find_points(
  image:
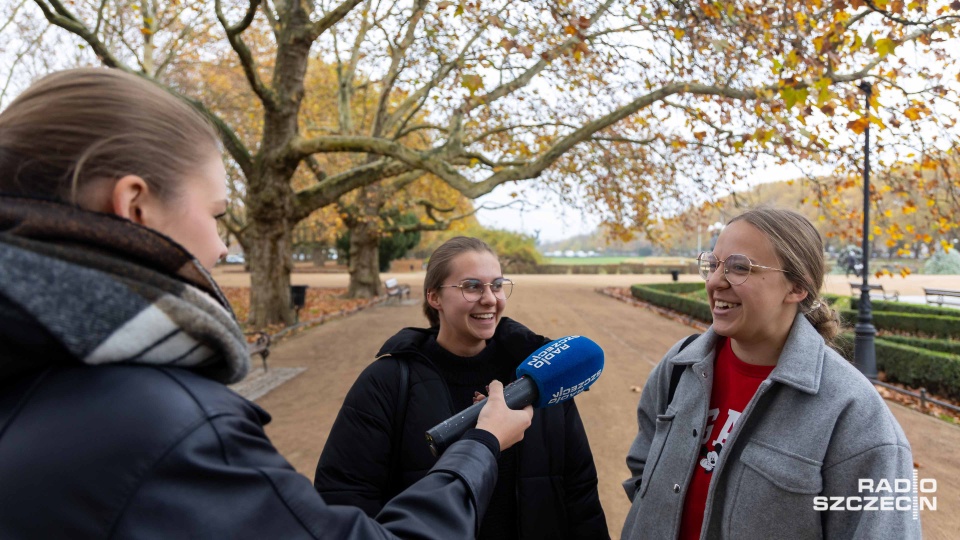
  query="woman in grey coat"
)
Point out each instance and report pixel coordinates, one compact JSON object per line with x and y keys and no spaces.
{"x":758,"y":428}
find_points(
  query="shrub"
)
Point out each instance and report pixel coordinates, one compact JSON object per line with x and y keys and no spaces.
{"x":658,"y":296}
{"x":836,"y":301}
{"x":910,"y":323}
{"x":936,"y":371}
{"x":685,"y":287}
{"x":900,"y":307}
{"x":939,"y":345}
{"x":942,"y":262}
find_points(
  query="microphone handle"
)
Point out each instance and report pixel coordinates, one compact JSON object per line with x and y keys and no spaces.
{"x":517,"y":394}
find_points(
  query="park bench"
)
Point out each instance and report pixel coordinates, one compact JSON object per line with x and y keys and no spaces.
{"x":939,"y":296}
{"x":261,"y":346}
{"x":855,"y":291}
{"x":396,"y":290}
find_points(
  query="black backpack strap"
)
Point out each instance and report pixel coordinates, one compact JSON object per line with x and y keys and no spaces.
{"x":678,"y":369}
{"x":396,"y":438}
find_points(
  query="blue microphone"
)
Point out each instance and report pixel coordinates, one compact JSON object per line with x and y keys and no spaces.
{"x":556,"y":372}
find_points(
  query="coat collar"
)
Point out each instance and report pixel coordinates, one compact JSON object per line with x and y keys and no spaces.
{"x":514,"y":339}
{"x":800,"y":364}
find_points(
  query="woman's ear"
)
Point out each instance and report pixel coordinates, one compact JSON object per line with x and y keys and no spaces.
{"x":128,"y":198}
{"x":434,"y":300}
{"x":796,"y":295}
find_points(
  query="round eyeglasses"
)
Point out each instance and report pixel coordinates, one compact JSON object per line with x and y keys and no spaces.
{"x":736,"y":267}
{"x":472,"y":289}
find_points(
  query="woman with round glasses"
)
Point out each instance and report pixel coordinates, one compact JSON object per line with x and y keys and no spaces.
{"x":547,"y":485}
{"x":755,"y":428}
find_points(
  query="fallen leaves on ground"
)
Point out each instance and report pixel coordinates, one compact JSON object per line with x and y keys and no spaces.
{"x":911,"y":402}
{"x":320,"y":301}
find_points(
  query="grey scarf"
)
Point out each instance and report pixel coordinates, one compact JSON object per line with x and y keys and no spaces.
{"x":110,"y":291}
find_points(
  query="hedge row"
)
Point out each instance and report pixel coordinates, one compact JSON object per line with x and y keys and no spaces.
{"x":940,"y":345}
{"x":655,"y":294}
{"x":933,"y":364}
{"x":936,"y":371}
{"x":685,"y":287}
{"x":911,"y":323}
{"x":902,"y":307}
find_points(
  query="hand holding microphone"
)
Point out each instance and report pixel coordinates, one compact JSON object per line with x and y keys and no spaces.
{"x":555,"y":372}
{"x":506,"y":424}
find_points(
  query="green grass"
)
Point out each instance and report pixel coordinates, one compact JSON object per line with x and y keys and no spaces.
{"x":591,"y":260}
{"x":617,"y":260}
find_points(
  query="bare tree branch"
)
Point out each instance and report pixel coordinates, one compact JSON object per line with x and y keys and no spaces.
{"x":332,"y":18}
{"x":334,"y":187}
{"x":267,"y":96}
{"x":58,"y":15}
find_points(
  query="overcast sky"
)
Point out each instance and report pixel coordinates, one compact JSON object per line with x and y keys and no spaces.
{"x":557,"y":222}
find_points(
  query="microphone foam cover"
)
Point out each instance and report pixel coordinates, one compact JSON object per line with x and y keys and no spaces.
{"x":563,"y":368}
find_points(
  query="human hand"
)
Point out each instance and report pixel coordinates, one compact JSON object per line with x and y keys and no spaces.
{"x":506,"y":424}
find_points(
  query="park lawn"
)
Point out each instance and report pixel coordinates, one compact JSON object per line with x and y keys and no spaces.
{"x":618,"y":260}
{"x":592,"y":260}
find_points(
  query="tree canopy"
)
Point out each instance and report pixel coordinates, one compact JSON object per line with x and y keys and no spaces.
{"x":633,"y":107}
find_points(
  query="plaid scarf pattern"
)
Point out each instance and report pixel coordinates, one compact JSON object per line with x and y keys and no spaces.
{"x":112,"y":292}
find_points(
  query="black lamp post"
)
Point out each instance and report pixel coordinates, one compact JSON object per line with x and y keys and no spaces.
{"x":864,"y":354}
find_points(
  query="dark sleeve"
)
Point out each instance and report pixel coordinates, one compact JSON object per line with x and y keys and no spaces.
{"x":354,"y":467}
{"x":224,"y":479}
{"x":584,"y":513}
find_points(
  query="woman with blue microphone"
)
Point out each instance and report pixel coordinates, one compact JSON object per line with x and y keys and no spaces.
{"x":547,"y":485}
{"x":749,"y":430}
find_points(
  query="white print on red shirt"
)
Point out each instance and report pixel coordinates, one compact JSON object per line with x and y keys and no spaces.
{"x":709,"y":462}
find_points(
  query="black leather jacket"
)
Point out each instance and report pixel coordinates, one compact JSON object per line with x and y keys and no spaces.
{"x":556,"y":491}
{"x":132,"y":450}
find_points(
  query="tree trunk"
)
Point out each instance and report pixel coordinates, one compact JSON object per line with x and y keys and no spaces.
{"x":270,"y":265}
{"x":270,"y":239}
{"x":364,"y":259}
{"x":319,"y":255}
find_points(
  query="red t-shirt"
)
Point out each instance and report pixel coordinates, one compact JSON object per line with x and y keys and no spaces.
{"x":734,"y":384}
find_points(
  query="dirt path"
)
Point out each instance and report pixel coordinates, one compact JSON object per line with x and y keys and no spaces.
{"x":633,"y":340}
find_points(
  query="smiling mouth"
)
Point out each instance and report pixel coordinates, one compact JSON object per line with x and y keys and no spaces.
{"x":723,"y":306}
{"x":482,"y":316}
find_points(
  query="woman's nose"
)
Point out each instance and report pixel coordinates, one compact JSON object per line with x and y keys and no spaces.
{"x":487,"y":298}
{"x":718,"y":278}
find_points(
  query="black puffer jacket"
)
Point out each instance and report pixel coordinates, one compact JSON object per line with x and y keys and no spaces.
{"x":102,"y":437}
{"x":557,"y":481}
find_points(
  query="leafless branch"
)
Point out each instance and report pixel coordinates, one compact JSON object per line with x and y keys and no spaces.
{"x":267,"y":96}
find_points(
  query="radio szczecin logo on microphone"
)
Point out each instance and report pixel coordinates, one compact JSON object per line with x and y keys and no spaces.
{"x":550,"y":353}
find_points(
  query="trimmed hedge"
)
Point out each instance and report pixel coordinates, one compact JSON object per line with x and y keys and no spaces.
{"x":832,"y":299}
{"x":910,"y":323}
{"x":936,"y":371}
{"x":938,"y":345}
{"x":685,"y":287}
{"x":902,"y":307}
{"x":655,"y":294}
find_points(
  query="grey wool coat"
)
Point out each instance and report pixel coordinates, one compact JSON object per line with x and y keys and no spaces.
{"x":814,"y":428}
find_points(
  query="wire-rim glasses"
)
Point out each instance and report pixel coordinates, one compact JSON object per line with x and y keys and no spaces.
{"x":472,"y":289}
{"x":736,"y":267}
